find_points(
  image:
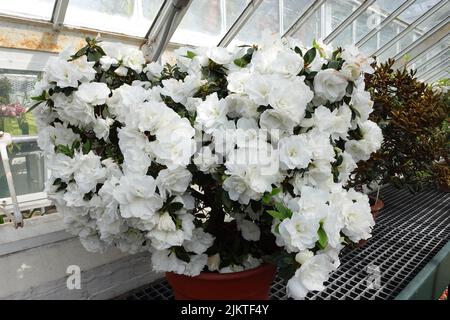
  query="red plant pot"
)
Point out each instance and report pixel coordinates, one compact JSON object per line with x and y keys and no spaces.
{"x":253,"y":284}
{"x":375,"y":207}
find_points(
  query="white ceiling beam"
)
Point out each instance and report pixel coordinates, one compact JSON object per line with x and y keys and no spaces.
{"x":431,"y":77}
{"x":163,"y":27}
{"x":59,"y":13}
{"x":418,"y":57}
{"x":429,"y":39}
{"x":385,"y":22}
{"x":348,"y":21}
{"x":303,"y":18}
{"x":411,"y":27}
{"x":240,"y":22}
{"x":434,"y":71}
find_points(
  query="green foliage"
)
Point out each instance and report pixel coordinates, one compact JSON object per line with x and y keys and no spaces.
{"x":412,"y":116}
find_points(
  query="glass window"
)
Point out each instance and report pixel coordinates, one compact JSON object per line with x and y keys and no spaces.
{"x":37,"y":9}
{"x":388,"y":32}
{"x":368,"y":20}
{"x":431,"y":53}
{"x":292,"y":10}
{"x":418,"y":32}
{"x":131,"y":17}
{"x":437,"y":62}
{"x":206,"y":22}
{"x":327,"y":18}
{"x":26,"y":159}
{"x":265,"y":18}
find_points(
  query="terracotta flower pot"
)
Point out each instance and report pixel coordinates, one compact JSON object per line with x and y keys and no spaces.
{"x":253,"y":284}
{"x":375,"y":206}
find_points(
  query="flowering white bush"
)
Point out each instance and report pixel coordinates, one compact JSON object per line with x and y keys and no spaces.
{"x":220,"y":162}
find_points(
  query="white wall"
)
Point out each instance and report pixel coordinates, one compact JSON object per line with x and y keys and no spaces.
{"x":34,"y":261}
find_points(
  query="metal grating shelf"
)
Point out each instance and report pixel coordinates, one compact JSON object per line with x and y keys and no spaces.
{"x":409,"y":232}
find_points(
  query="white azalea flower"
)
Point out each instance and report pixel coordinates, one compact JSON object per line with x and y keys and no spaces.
{"x":330,"y":85}
{"x":94,"y":93}
{"x":137,"y":197}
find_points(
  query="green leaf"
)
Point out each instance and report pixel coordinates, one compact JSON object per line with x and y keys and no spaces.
{"x":241,"y":62}
{"x":190,"y":54}
{"x":87,"y":147}
{"x":299,"y":51}
{"x":283,"y":210}
{"x":276,"y":214}
{"x":1,"y":220}
{"x":174,"y":207}
{"x":34,"y":106}
{"x":323,"y":239}
{"x":64,"y":150}
{"x":309,"y":56}
{"x":334,"y":64}
{"x":275,"y":191}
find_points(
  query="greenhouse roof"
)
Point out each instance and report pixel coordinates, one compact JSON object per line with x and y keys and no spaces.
{"x":415,"y":32}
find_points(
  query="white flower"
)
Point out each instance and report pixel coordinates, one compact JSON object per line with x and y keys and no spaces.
{"x":173,"y":181}
{"x":89,"y":171}
{"x":236,"y":80}
{"x":358,"y":220}
{"x":63,"y":73}
{"x":330,"y":85}
{"x":137,"y":197}
{"x":219,"y":55}
{"x":85,"y":68}
{"x":290,"y":98}
{"x":153,"y":70}
{"x":310,"y":276}
{"x":94,"y":93}
{"x":276,"y":124}
{"x":52,"y":136}
{"x":346,"y":167}
{"x":300,"y":231}
{"x":61,"y":166}
{"x":295,"y":152}
{"x":336,"y":123}
{"x":121,"y":71}
{"x":212,"y":113}
{"x":101,"y":128}
{"x":238,"y":190}
{"x":107,"y":62}
{"x":361,"y":101}
{"x":73,"y":110}
{"x":205,"y":160}
{"x":370,"y":142}
{"x":200,"y":241}
{"x":134,"y":59}
{"x":303,"y":256}
{"x":258,"y":87}
{"x":249,"y":230}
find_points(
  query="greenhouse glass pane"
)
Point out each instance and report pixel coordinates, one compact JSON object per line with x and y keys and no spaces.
{"x":26,"y":159}
{"x":130,"y":17}
{"x":327,"y":18}
{"x":431,"y":53}
{"x":292,"y":10}
{"x":388,"y":32}
{"x":369,"y":19}
{"x":37,"y":9}
{"x":437,"y":62}
{"x":206,"y":22}
{"x":265,"y":18}
{"x":415,"y":34}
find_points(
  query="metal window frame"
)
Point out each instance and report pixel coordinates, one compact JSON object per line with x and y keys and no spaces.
{"x":385,"y":22}
{"x":429,"y":74}
{"x":349,"y":20}
{"x":429,"y":39}
{"x":433,"y":65}
{"x":411,"y":27}
{"x":433,"y":59}
{"x":59,"y":13}
{"x":303,"y":18}
{"x":413,"y":60}
{"x":163,"y":27}
{"x":245,"y":15}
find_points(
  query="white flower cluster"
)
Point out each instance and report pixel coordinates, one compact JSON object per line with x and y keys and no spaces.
{"x":123,"y":157}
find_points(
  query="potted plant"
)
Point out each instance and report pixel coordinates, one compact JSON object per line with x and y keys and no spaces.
{"x":223,"y":165}
{"x":413,"y":117}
